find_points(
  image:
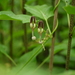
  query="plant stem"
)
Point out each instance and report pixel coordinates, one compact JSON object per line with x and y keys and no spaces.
{"x":11,"y":32}
{"x":68,"y":20}
{"x":68,"y":17}
{"x":70,"y":37}
{"x":48,"y":27}
{"x":53,"y":38}
{"x":24,"y":28}
{"x":2,"y":37}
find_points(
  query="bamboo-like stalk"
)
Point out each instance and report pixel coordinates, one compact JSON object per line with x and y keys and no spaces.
{"x":24,"y":28}
{"x":70,"y":37}
{"x":53,"y":38}
{"x":11,"y":32}
{"x":1,"y":31}
{"x":2,"y":37}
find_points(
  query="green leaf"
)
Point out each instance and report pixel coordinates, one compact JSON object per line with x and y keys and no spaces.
{"x":70,"y":72}
{"x":30,"y":56}
{"x":3,"y":50}
{"x":58,"y":48}
{"x":70,"y":9}
{"x":8,"y":15}
{"x":43,"y":11}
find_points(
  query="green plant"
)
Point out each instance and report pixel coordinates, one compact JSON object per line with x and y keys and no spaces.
{"x":41,"y":52}
{"x":71,"y":26}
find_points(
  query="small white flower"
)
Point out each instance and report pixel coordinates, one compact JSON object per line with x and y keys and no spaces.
{"x":33,"y":38}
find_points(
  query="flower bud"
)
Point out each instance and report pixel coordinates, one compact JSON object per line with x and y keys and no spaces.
{"x":40,"y":27}
{"x":32,"y":19}
{"x":32,"y":22}
{"x":41,"y":24}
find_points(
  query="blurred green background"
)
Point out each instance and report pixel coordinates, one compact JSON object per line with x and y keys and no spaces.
{"x":30,"y":57}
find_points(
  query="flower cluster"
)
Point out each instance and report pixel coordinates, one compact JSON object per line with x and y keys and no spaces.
{"x":40,"y":29}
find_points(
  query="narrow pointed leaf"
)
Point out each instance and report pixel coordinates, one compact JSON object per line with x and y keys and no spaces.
{"x":3,"y":51}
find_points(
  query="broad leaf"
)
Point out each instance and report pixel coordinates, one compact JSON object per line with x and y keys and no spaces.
{"x":43,"y":11}
{"x":8,"y":15}
{"x":70,"y":9}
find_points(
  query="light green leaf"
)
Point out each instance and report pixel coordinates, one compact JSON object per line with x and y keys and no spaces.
{"x":3,"y":51}
{"x":43,"y":11}
{"x":70,"y":9}
{"x":30,"y":56}
{"x":8,"y":15}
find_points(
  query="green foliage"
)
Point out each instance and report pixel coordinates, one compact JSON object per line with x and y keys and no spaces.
{"x":3,"y":51}
{"x":8,"y":15}
{"x":31,"y":63}
{"x":70,"y":9}
{"x":43,"y":11}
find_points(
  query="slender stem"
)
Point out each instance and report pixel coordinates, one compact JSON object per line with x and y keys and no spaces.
{"x":70,"y":37}
{"x":32,"y":33}
{"x":55,"y":27}
{"x":11,"y":39}
{"x":53,"y":38}
{"x":68,"y":17}
{"x":24,"y":28}
{"x":68,"y":20}
{"x":46,"y":23}
{"x":2,"y":37}
{"x":48,"y":27}
{"x":11,"y":32}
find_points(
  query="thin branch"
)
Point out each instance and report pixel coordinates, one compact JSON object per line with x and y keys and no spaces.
{"x":53,"y":38}
{"x":2,"y":38}
{"x":70,"y":37}
{"x":11,"y":31}
{"x":24,"y":28}
{"x":1,"y":31}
